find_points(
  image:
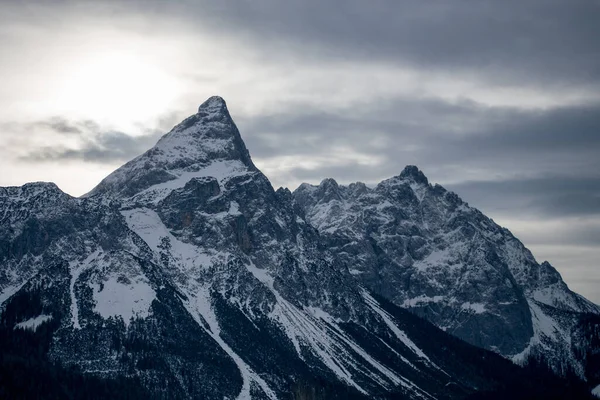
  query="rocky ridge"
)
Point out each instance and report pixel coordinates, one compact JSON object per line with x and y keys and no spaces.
{"x":423,"y":248}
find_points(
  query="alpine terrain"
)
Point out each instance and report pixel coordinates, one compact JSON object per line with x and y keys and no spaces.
{"x":424,"y":249}
{"x":185,"y":275}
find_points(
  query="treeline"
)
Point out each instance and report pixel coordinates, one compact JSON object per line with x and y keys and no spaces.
{"x":27,"y":373}
{"x":537,"y":381}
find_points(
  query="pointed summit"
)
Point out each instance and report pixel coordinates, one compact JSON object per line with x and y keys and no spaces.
{"x":329,"y":189}
{"x":414,"y":173}
{"x":410,"y":175}
{"x":214,"y":109}
{"x":213,"y":105}
{"x":206,"y":141}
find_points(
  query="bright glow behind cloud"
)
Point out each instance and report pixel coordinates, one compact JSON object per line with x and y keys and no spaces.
{"x":116,"y":86}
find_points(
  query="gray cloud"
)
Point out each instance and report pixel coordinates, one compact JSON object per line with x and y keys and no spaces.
{"x":552,"y":42}
{"x":567,"y":128}
{"x":552,"y":196}
{"x":57,"y":124}
{"x":99,"y":145}
{"x":108,"y":147}
{"x":437,"y":136}
{"x":61,"y":125}
{"x":574,"y":234}
{"x":524,"y":42}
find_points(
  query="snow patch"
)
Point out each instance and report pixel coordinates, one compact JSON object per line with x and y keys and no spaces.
{"x":441,"y":258}
{"x":542,"y":323}
{"x":596,"y":391}
{"x":419,"y":190}
{"x":557,"y":295}
{"x":280,"y":222}
{"x":234,"y":208}
{"x":117,"y":297}
{"x":417,"y":301}
{"x":148,"y":225}
{"x":33,"y":323}
{"x":222,"y":170}
{"x":477,"y":308}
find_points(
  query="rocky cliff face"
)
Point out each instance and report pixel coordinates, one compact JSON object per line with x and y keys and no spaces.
{"x":186,"y":271}
{"x":427,"y":251}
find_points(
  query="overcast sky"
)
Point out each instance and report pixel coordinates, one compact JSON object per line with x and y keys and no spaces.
{"x":498,"y":101}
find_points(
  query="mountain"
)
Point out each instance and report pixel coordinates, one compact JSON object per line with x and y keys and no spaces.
{"x":185,"y":275}
{"x":424,"y":249}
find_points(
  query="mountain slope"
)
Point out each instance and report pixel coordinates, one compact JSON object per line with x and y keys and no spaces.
{"x":186,"y":272}
{"x":426,"y":250}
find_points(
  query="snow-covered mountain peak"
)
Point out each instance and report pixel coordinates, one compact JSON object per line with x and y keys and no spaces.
{"x":412,"y":172}
{"x":330,"y":190}
{"x":214,"y":105}
{"x":207,"y":143}
{"x":410,"y":184}
{"x":329,"y":182}
{"x":456,"y":267}
{"x":208,"y":135}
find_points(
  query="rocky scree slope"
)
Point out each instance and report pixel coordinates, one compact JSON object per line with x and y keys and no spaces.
{"x":186,"y":273}
{"x":423,"y":248}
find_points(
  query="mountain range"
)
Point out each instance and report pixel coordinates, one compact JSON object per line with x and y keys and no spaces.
{"x":185,"y":275}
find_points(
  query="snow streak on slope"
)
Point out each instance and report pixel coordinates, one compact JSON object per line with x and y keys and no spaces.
{"x":148,"y":225}
{"x":7,"y":292}
{"x":544,"y":327}
{"x":388,"y":321}
{"x":199,"y":306}
{"x":221,"y":170}
{"x":300,"y":328}
{"x":77,"y":268}
{"x":33,"y":323}
{"x":550,"y":336}
{"x":319,"y":331}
